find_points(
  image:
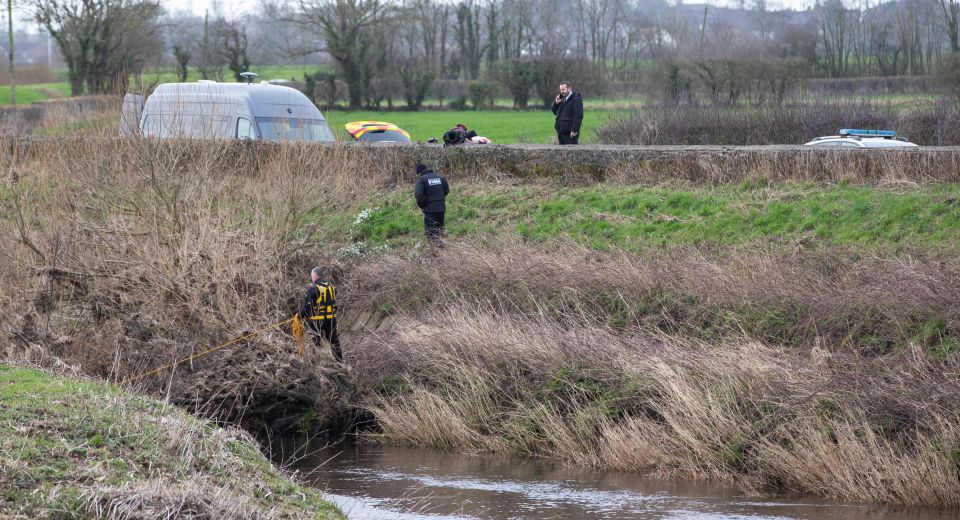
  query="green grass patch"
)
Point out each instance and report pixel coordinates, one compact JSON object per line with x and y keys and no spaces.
{"x":502,"y":127}
{"x":637,"y":218}
{"x":27,"y":94}
{"x":856,"y":220}
{"x":66,"y":445}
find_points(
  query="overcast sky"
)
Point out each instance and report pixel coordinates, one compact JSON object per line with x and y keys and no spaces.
{"x":239,"y":6}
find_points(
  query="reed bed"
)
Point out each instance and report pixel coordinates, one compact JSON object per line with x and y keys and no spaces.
{"x":827,"y":372}
{"x":794,"y":298}
{"x":662,"y":364}
{"x":122,"y":256}
{"x":831,"y":423}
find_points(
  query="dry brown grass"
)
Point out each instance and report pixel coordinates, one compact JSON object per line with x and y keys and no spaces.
{"x":511,"y":350}
{"x":85,"y":115}
{"x":803,"y":297}
{"x":119,"y":256}
{"x":837,"y":425}
{"x":29,"y":74}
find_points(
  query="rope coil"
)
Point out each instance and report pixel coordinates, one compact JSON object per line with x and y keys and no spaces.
{"x":298,"y":331}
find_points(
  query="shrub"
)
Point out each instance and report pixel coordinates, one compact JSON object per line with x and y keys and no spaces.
{"x":416,"y":80}
{"x":948,"y":76}
{"x":519,"y":76}
{"x":587,"y":78}
{"x":483,"y":94}
{"x":727,"y":81}
{"x":936,"y":124}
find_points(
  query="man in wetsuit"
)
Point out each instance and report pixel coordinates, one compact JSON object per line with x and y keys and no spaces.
{"x":319,"y":311}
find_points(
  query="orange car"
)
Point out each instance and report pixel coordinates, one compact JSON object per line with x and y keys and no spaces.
{"x":377,"y":132}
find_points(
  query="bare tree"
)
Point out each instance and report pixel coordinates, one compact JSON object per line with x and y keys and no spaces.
{"x":834,"y":23}
{"x":182,"y":56}
{"x":101,"y":41}
{"x":184,"y":32}
{"x":346,"y":30}
{"x":469,"y":37}
{"x":882,"y":43}
{"x":232,"y":43}
{"x":951,"y":19}
{"x":597,"y":20}
{"x":908,"y":32}
{"x":551,"y":34}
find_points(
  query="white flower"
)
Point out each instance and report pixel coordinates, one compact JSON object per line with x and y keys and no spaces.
{"x":363,"y":216}
{"x":353,"y":251}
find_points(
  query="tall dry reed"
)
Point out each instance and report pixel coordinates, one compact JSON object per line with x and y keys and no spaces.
{"x":119,"y":256}
{"x":834,"y":424}
{"x":512,"y":350}
{"x":872,"y":303}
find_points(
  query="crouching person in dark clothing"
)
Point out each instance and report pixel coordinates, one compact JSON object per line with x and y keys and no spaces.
{"x":319,"y":311}
{"x":431,"y":193}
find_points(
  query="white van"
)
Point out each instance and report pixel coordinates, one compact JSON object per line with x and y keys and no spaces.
{"x":212,"y":110}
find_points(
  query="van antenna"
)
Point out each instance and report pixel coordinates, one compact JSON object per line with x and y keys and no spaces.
{"x":249,"y":77}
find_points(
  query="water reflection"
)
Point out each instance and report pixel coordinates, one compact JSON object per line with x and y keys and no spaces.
{"x":375,"y":482}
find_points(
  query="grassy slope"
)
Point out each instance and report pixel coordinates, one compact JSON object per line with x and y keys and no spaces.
{"x":76,"y":449}
{"x":637,"y":218}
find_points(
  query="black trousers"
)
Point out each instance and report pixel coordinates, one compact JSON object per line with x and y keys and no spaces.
{"x":327,"y":330}
{"x":433,"y":225}
{"x":566,"y":139}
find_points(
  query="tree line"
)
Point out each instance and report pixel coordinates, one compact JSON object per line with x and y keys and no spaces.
{"x":378,"y":49}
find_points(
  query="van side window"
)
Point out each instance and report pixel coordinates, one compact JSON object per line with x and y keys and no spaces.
{"x":244,"y":129}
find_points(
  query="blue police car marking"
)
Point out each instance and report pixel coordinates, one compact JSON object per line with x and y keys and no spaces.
{"x":867,"y":133}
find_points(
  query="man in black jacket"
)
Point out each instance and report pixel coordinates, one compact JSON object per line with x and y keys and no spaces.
{"x":568,"y":107}
{"x":431,"y":193}
{"x":319,"y":311}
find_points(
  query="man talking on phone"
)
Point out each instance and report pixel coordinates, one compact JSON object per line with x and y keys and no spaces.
{"x":568,"y":107}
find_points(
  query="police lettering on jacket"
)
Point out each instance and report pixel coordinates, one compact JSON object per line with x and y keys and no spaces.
{"x":431,"y":191}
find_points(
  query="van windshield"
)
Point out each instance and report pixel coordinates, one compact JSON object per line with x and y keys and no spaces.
{"x":293,"y":128}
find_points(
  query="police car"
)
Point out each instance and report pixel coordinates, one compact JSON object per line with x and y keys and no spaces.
{"x":377,"y":132}
{"x":853,"y":138}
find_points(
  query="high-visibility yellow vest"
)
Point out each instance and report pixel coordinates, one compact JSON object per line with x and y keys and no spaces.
{"x":325,"y":308}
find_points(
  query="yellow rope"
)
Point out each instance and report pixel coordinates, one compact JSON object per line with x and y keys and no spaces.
{"x":298,"y":331}
{"x":214,"y":349}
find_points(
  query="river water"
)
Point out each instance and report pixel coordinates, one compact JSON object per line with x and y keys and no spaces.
{"x":386,"y":483}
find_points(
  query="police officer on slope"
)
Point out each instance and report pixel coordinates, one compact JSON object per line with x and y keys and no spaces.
{"x":431,"y":192}
{"x":319,"y":310}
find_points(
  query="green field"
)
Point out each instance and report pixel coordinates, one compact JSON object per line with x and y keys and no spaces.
{"x":27,"y":94}
{"x":503,"y":127}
